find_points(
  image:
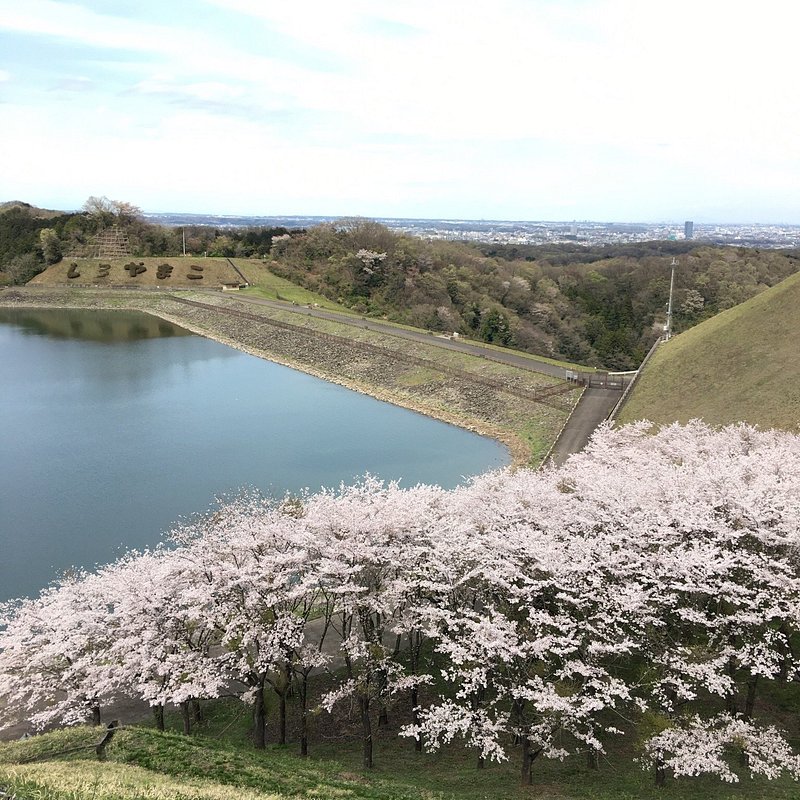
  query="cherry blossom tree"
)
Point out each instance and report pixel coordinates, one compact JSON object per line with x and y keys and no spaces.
{"x":713,"y":514}
{"x":529,"y":634}
{"x":676,"y":549}
{"x":247,"y":561}
{"x":656,"y":571}
{"x":51,"y":651}
{"x":708,"y":746}
{"x":372,"y":540}
{"x":161,"y":650}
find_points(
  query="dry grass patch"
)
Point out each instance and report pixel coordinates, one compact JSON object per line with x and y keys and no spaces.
{"x":85,"y":780}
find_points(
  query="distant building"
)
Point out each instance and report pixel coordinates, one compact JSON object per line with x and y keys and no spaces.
{"x":688,"y":229}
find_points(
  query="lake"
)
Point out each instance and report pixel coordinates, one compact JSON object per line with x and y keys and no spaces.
{"x":118,"y":424}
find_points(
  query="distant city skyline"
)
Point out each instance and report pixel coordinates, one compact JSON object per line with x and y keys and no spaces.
{"x":528,"y":232}
{"x":605,"y":110}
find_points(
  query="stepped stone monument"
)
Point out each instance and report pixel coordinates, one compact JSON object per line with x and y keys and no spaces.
{"x":112,"y":243}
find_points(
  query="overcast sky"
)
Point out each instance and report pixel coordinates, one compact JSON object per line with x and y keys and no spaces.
{"x":616,"y":110}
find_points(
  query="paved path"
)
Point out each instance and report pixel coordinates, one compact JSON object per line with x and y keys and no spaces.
{"x":594,"y":406}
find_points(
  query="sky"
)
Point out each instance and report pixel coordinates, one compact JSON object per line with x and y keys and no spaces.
{"x":608,"y":110}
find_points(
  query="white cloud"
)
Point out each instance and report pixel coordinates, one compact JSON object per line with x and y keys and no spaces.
{"x":514,"y":104}
{"x":76,"y":23}
{"x":208,"y":90}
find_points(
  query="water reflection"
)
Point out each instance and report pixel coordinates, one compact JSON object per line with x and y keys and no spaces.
{"x":129,"y":352}
{"x":106,"y":327}
{"x":110,"y":439}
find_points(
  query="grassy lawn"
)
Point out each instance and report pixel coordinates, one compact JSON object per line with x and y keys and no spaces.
{"x":740,"y":365}
{"x":218,"y":763}
{"x":269,"y":286}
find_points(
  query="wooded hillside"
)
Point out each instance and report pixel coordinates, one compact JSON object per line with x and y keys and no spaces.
{"x":599,"y":306}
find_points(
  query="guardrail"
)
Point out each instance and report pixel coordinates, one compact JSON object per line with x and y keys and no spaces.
{"x":600,"y":380}
{"x":614,"y":411}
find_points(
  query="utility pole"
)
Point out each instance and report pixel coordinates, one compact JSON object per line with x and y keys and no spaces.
{"x":668,"y":327}
{"x":183,"y":233}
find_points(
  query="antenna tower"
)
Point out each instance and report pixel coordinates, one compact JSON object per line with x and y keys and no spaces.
{"x":668,"y":328}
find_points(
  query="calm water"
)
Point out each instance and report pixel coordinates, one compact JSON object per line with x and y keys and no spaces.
{"x":117,"y":424}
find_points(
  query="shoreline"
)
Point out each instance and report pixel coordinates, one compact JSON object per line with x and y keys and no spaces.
{"x":507,"y":441}
{"x":211,"y":324}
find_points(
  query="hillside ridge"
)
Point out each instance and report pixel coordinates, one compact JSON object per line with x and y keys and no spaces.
{"x":738,"y":366}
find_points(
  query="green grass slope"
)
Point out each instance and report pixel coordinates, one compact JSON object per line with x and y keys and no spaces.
{"x":741,"y":365}
{"x":143,"y":764}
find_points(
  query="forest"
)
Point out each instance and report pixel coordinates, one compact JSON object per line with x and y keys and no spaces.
{"x":598,"y":306}
{"x":648,"y":590}
{"x":601,"y":306}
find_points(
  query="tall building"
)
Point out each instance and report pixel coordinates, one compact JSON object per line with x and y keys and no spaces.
{"x":688,"y":229}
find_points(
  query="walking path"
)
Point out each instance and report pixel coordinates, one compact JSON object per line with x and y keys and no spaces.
{"x":594,"y":406}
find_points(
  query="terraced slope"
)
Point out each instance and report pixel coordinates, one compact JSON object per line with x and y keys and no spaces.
{"x":741,"y":365}
{"x":136,"y":272}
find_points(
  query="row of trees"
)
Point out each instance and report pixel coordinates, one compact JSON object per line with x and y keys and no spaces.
{"x":649,"y":589}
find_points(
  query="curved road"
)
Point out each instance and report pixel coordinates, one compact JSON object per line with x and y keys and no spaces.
{"x":513,"y":359}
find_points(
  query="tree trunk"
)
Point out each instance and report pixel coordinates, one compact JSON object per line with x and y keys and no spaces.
{"x":593,"y":759}
{"x":282,"y":721}
{"x":304,"y":715}
{"x":661,"y":773}
{"x":731,"y":704}
{"x":366,"y":728}
{"x":475,"y":703}
{"x":197,"y":712}
{"x":383,"y":717}
{"x":414,"y":652}
{"x":158,"y":713}
{"x":415,"y":716}
{"x":187,"y":718}
{"x":282,"y":686}
{"x":528,"y":757}
{"x":527,"y":762}
{"x":259,"y":720}
{"x":96,"y":714}
{"x":750,"y":702}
